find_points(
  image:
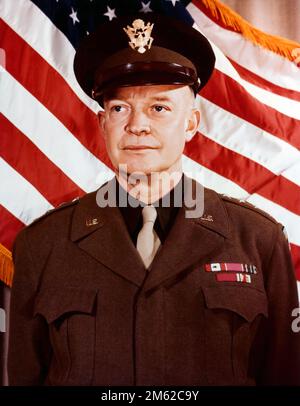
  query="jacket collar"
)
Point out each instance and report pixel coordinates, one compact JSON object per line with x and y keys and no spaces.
{"x":102,"y":233}
{"x":166,"y":212}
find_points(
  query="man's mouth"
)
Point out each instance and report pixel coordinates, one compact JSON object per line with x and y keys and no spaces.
{"x":135,"y":147}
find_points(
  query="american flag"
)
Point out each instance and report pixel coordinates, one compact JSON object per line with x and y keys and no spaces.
{"x":51,"y":150}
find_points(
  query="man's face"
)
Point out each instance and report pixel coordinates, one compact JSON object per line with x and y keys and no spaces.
{"x":145,"y":127}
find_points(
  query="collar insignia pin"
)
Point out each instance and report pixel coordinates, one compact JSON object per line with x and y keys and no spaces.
{"x":91,"y":222}
{"x":207,"y":217}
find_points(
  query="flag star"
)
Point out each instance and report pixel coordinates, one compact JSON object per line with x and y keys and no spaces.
{"x":174,"y":2}
{"x":146,"y":7}
{"x":110,"y":13}
{"x":74,"y":17}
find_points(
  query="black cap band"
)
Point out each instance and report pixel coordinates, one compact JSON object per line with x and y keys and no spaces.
{"x":143,"y":73}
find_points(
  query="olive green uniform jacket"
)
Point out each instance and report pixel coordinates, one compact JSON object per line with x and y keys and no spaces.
{"x":85,"y":311}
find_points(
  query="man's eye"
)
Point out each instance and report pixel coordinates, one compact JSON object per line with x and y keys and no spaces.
{"x":159,"y":108}
{"x":117,"y":108}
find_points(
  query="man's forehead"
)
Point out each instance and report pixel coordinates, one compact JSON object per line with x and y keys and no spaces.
{"x":157,"y":92}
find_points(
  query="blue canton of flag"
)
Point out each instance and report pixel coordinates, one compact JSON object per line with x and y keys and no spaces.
{"x":78,"y":18}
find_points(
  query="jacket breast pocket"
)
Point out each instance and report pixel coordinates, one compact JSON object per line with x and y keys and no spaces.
{"x":71,"y":315}
{"x":231,"y":318}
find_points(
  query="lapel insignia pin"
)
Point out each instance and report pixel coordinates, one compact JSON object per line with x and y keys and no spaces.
{"x":139,"y":35}
{"x":207,"y":217}
{"x":91,"y":222}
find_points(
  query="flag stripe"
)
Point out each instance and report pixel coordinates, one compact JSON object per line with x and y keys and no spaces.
{"x":59,"y":52}
{"x":277,"y":124}
{"x":250,"y":141}
{"x":286,"y":106}
{"x":275,"y":188}
{"x":223,"y":185}
{"x":28,"y":203}
{"x":44,"y":137}
{"x":259,"y":60}
{"x":9,"y":227}
{"x":211,"y":179}
{"x":50,"y":88}
{"x":295,"y":251}
{"x":13,"y":143}
{"x":251,"y":77}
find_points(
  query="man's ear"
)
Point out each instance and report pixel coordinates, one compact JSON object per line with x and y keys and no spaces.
{"x":192,"y":124}
{"x":101,"y":118}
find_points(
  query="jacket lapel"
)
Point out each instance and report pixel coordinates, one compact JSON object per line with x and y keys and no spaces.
{"x":102,"y":233}
{"x":191,"y":240}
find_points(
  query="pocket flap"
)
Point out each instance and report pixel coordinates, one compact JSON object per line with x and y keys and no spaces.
{"x":54,"y":302}
{"x":247,"y":302}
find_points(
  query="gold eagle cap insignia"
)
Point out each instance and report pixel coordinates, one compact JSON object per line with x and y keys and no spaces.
{"x":139,"y":35}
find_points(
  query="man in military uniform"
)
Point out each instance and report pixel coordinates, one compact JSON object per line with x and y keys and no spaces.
{"x":142,"y":294}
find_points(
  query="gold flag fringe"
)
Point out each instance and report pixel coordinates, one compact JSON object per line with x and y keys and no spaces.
{"x":6,"y":266}
{"x":231,"y":19}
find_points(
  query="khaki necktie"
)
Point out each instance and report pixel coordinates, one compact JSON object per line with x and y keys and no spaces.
{"x":147,"y":240}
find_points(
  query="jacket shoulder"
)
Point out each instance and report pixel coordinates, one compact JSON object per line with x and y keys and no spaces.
{"x":48,"y":213}
{"x":243,"y":205}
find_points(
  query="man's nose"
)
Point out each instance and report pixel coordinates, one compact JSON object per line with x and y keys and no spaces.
{"x":138,"y":123}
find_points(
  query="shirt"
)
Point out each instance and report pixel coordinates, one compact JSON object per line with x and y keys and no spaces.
{"x":165,"y":215}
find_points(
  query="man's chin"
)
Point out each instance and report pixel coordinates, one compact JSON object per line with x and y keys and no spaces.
{"x":138,"y":169}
